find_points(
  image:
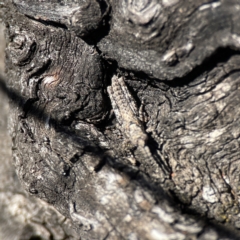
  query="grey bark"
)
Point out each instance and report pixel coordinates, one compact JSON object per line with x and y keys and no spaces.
{"x":181,"y":60}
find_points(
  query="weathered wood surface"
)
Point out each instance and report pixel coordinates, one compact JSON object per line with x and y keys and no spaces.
{"x":21,"y":215}
{"x":180,"y":59}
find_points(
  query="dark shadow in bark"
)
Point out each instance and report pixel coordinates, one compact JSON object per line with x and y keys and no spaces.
{"x":221,"y":55}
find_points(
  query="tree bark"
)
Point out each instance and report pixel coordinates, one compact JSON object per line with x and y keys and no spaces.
{"x":124,"y":114}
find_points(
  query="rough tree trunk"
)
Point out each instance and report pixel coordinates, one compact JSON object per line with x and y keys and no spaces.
{"x":124,"y":114}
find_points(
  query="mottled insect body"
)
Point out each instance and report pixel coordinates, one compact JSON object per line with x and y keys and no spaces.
{"x":126,"y":112}
{"x":125,"y":109}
